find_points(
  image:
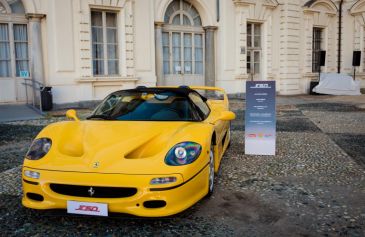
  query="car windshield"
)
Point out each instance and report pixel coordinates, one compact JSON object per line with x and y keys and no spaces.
{"x":146,"y":106}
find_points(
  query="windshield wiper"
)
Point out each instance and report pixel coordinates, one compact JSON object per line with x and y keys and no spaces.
{"x":99,"y":116}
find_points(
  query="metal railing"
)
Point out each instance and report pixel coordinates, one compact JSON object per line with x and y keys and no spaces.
{"x":33,"y":90}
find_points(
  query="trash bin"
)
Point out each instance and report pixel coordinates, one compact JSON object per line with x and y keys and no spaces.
{"x":312,"y":85}
{"x":46,"y":98}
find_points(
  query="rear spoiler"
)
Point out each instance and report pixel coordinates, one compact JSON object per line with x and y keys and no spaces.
{"x":208,"y":88}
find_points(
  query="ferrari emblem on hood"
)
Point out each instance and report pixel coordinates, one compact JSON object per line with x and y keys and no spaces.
{"x":96,"y":164}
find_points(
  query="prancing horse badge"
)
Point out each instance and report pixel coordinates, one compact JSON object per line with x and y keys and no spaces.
{"x":96,"y":164}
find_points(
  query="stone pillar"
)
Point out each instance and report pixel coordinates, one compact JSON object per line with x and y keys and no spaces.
{"x":36,"y":52}
{"x":159,"y":54}
{"x":290,"y":73}
{"x":210,"y":55}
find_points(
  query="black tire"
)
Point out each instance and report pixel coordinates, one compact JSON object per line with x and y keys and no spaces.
{"x":229,"y":134}
{"x":211,"y":171}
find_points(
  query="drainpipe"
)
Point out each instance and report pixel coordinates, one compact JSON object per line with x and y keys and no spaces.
{"x":339,"y":38}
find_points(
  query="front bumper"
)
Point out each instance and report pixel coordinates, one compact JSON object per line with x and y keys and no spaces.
{"x":178,"y":196}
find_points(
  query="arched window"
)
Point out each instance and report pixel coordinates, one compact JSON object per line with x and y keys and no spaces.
{"x":2,"y":9}
{"x":11,"y":6}
{"x":183,"y":40}
{"x":182,"y":13}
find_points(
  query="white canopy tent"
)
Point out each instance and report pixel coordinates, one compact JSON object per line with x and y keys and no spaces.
{"x":337,"y":84}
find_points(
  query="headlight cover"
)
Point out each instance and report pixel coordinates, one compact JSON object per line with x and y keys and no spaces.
{"x":183,"y":153}
{"x":39,"y":148}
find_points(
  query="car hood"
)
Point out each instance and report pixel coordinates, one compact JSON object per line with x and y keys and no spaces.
{"x":131,"y":147}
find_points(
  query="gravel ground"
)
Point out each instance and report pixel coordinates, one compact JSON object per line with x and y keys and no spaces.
{"x":14,"y":142}
{"x":338,"y":122}
{"x":353,"y":144}
{"x":314,"y":186}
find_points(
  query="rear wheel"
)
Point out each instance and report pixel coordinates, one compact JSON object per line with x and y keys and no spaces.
{"x":211,"y":171}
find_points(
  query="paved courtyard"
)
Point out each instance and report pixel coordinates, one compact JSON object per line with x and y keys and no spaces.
{"x":17,"y":112}
{"x":314,"y":186}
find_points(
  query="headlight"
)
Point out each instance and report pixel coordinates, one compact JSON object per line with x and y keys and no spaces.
{"x":163,"y":180}
{"x":39,"y":148}
{"x":183,"y":154}
{"x":32,"y":174}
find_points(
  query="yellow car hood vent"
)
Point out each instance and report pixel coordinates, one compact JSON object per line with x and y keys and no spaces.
{"x":71,"y":141}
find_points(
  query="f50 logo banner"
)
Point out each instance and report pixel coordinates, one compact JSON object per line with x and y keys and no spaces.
{"x":260,"y":118}
{"x":87,"y":208}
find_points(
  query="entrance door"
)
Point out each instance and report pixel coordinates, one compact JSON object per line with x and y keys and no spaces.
{"x":183,"y":45}
{"x":254,"y":51}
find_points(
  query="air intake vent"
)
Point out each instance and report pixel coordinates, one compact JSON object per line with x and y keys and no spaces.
{"x":154,"y":204}
{"x":93,"y":191}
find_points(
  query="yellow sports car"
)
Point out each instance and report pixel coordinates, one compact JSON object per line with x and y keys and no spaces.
{"x":144,"y":151}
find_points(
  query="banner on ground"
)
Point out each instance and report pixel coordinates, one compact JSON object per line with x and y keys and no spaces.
{"x":260,"y":118}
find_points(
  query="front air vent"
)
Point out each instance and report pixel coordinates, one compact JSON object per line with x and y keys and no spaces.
{"x":154,"y":204}
{"x":35,"y":197}
{"x":93,"y":191}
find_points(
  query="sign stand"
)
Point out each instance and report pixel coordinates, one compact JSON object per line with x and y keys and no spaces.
{"x":260,"y":118}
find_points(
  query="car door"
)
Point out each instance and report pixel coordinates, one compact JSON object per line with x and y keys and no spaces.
{"x":220,"y":127}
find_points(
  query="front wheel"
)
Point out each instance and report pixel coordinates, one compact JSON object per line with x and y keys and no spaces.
{"x":229,"y":135}
{"x":211,"y":171}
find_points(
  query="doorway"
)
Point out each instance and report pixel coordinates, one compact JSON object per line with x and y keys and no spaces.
{"x":183,"y":45}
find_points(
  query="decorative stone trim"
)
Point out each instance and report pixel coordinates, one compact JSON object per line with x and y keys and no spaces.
{"x":107,"y":79}
{"x":326,"y":19}
{"x":5,"y":4}
{"x":34,"y":16}
{"x":310,"y":74}
{"x":242,"y":77}
{"x":159,"y":24}
{"x":358,"y":8}
{"x":126,"y":30}
{"x":253,"y":11}
{"x":129,"y":38}
{"x":266,"y":3}
{"x":210,"y":28}
{"x":328,"y":4}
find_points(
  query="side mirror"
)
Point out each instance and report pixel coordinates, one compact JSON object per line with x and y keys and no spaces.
{"x":71,"y":114}
{"x":226,"y":116}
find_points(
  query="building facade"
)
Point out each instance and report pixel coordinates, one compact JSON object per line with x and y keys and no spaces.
{"x":86,"y":49}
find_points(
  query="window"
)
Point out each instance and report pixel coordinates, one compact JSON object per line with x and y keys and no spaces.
{"x":4,"y":51}
{"x":182,"y":40}
{"x":104,"y":43}
{"x":2,"y":9}
{"x":21,"y":48}
{"x":12,"y":6}
{"x":198,"y":101}
{"x":253,"y":35}
{"x":198,"y":40}
{"x":176,"y":52}
{"x":20,"y":45}
{"x":166,"y":52}
{"x":180,"y":12}
{"x":146,"y":106}
{"x":316,"y":48}
{"x":253,"y":48}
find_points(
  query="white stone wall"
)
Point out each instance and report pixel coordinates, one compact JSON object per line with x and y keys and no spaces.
{"x":324,"y":16}
{"x":287,"y":27}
